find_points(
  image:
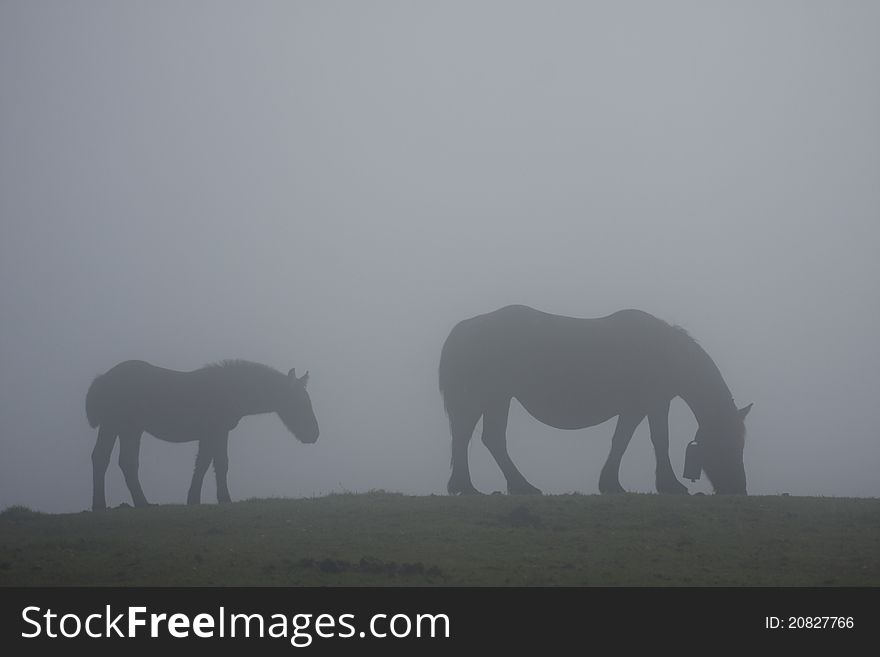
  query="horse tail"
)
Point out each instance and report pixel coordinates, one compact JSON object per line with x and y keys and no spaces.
{"x":96,"y":401}
{"x":446,"y":374}
{"x":454,"y":372}
{"x":445,"y":379}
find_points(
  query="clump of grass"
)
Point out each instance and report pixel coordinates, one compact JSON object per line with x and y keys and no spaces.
{"x":18,"y":512}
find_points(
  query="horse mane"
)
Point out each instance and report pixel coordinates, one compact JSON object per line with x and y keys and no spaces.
{"x":687,"y":339}
{"x":683,"y":333}
{"x":238,"y":363}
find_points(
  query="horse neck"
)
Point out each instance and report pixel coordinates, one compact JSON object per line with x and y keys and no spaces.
{"x":703,"y":388}
{"x":256,"y":391}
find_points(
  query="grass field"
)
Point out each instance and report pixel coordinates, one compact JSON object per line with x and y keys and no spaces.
{"x":395,"y":540}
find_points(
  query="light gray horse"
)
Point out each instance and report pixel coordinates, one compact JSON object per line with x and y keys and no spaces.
{"x":572,"y":373}
{"x":204,"y":405}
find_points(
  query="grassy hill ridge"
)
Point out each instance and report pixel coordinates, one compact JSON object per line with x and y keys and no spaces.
{"x":386,"y":539}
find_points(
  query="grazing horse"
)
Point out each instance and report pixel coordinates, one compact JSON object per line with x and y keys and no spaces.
{"x":203,"y":405}
{"x":572,"y":373}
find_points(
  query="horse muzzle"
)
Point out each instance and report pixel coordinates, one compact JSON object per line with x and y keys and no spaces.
{"x":310,"y":438}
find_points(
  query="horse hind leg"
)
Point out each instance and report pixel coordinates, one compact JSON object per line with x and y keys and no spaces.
{"x":100,"y":460}
{"x":495,"y":439}
{"x":221,"y":467}
{"x":462,"y":421}
{"x":609,"y":480}
{"x":203,"y":460}
{"x":129,"y":463}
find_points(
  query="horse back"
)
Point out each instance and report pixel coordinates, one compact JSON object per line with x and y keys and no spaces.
{"x":172,"y":405}
{"x":515,"y":349}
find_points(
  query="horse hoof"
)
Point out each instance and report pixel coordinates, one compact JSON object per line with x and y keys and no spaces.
{"x":673,"y":489}
{"x":456,"y":488}
{"x":611,"y":489}
{"x":523,"y":489}
{"x":466,"y":491}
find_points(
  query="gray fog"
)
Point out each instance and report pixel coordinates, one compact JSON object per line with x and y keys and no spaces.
{"x":332,"y":186}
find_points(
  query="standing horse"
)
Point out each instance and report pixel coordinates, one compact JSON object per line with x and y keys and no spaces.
{"x":572,"y":373}
{"x":204,"y":405}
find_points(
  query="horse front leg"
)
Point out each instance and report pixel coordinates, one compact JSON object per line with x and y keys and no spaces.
{"x":203,"y":460}
{"x":609,"y":480}
{"x":221,"y":467}
{"x":129,"y":462}
{"x":495,"y":439}
{"x":667,"y":482}
{"x":100,"y":461}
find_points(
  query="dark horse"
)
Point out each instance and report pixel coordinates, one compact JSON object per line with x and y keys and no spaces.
{"x":573,"y":373}
{"x":204,"y":405}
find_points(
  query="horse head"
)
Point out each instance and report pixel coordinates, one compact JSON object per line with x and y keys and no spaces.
{"x":721,"y":442}
{"x":296,"y":410}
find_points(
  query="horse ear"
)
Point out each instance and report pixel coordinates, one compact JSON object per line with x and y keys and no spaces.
{"x":292,"y":373}
{"x":744,"y":411}
{"x":304,"y":379}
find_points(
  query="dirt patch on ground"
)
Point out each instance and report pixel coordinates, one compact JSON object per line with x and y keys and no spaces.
{"x":373,"y":566}
{"x":521,"y":516}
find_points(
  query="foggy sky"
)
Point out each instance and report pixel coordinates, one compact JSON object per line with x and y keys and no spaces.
{"x":331,"y":186}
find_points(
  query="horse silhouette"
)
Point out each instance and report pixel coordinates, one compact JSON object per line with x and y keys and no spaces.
{"x":203,"y":405}
{"x":572,"y":373}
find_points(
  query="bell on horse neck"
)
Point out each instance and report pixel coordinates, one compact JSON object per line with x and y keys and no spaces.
{"x":692,"y":466}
